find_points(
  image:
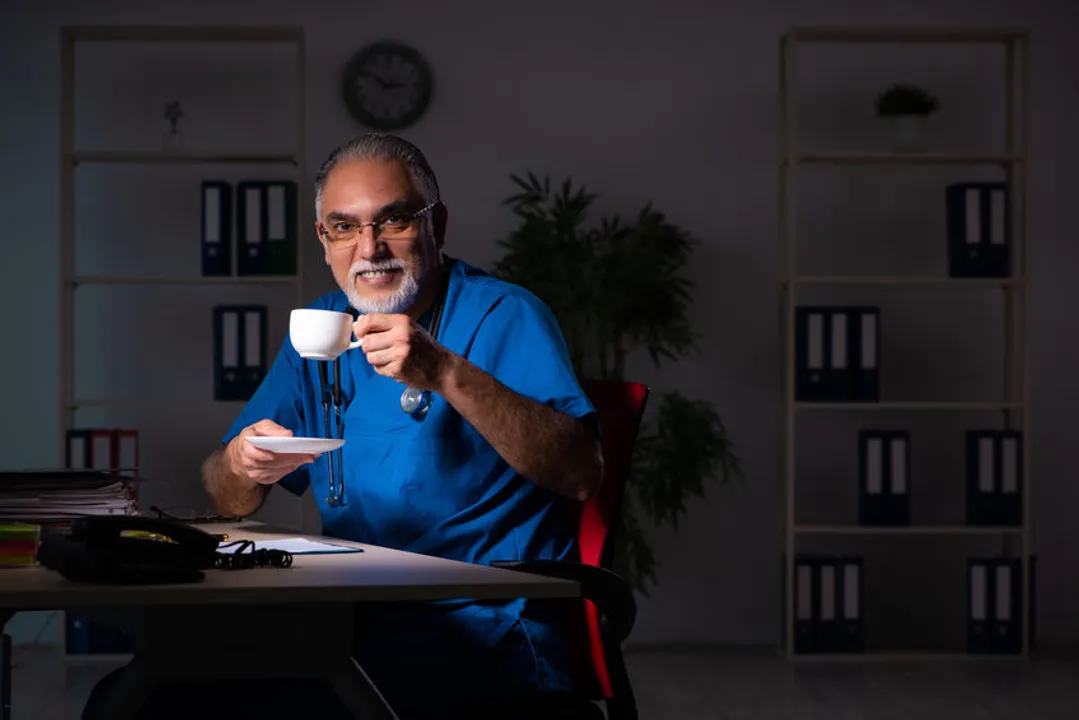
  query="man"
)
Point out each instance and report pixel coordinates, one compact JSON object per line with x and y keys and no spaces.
{"x":492,"y":465}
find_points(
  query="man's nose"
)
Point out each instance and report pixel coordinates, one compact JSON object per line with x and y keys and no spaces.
{"x":367,"y":244}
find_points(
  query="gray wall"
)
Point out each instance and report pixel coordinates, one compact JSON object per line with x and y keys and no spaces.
{"x":677,"y":105}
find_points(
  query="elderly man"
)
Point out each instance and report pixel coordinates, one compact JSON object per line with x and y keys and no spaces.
{"x":468,"y":436}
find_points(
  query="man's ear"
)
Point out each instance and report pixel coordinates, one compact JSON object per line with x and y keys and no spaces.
{"x":440,"y":218}
{"x":322,"y":242}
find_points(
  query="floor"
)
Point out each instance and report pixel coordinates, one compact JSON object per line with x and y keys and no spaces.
{"x":723,"y":684}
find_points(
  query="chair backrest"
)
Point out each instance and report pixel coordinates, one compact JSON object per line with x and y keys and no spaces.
{"x":620,"y":406}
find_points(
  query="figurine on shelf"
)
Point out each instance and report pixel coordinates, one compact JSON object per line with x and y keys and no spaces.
{"x":171,"y":137}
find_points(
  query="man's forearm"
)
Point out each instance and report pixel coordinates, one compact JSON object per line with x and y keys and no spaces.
{"x":233,"y":495}
{"x":548,"y":447}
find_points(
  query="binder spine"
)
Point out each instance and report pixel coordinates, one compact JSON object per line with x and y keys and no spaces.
{"x":216,"y":228}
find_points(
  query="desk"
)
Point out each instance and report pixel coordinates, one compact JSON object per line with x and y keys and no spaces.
{"x":218,"y":626}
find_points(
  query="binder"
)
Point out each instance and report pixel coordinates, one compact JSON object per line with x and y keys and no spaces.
{"x":806,"y":601}
{"x":994,"y":477}
{"x":216,"y":227}
{"x":979,"y":601}
{"x":91,"y":449}
{"x":864,"y":325}
{"x":828,"y":631}
{"x":266,"y":227}
{"x":979,"y":229}
{"x":1007,"y":627}
{"x":851,"y":586}
{"x":884,"y":477}
{"x":239,"y":350}
{"x":822,"y":342}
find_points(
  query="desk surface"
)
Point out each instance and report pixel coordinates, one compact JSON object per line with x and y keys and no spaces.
{"x":377,"y":574}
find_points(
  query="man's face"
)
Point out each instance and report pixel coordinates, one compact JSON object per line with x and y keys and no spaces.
{"x":378,"y":272}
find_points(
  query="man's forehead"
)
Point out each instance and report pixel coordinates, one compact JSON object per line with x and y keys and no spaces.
{"x":368,"y":183}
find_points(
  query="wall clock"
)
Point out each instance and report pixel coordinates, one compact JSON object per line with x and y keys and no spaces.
{"x":387,"y":85}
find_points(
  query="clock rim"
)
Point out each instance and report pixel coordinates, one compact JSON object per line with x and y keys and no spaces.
{"x":411,"y":55}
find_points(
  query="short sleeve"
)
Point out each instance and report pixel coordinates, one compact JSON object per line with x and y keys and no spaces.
{"x":278,"y":398}
{"x":521,"y":345}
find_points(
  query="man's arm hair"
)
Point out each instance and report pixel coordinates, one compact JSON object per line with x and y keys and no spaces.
{"x":233,"y":494}
{"x":549,"y":447}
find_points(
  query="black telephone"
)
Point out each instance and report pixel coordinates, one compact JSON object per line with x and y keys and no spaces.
{"x":129,"y":550}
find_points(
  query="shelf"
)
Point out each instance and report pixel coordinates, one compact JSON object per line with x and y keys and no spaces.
{"x":194,"y":280}
{"x":983,"y":36}
{"x":181,"y":33}
{"x":907,"y":655}
{"x":873,"y":406}
{"x":889,"y":158}
{"x":904,"y":280}
{"x":905,"y":530}
{"x":144,"y":157}
{"x":141,"y":404}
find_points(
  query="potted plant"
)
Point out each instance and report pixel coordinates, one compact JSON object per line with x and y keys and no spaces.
{"x":907,"y":106}
{"x":616,"y":288}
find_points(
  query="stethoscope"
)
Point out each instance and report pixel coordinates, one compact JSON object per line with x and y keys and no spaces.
{"x":414,"y":402}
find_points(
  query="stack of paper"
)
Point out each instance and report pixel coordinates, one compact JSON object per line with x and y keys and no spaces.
{"x":59,"y":496}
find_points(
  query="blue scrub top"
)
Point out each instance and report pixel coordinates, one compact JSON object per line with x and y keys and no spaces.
{"x":436,"y":486}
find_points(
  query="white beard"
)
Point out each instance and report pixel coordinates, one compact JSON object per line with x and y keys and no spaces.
{"x":396,"y":302}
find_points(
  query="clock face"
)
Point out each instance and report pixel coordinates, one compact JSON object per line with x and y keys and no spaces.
{"x":387,"y":86}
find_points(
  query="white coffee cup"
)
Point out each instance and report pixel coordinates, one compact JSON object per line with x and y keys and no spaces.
{"x":321,"y":334}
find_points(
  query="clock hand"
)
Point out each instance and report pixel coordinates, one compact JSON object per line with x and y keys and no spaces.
{"x":382,"y":83}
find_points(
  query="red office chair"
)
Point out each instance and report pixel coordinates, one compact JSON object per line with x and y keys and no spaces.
{"x":609,"y":609}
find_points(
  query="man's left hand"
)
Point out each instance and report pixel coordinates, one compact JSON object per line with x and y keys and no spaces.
{"x":397,"y":347}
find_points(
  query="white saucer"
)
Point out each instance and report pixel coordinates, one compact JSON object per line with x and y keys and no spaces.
{"x":295,"y":445}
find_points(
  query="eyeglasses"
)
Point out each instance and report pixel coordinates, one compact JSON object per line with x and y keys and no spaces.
{"x":344,"y":234}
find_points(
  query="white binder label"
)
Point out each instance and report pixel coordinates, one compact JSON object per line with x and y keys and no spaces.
{"x":997,"y":226}
{"x":252,"y":340}
{"x":851,"y":609}
{"x":212,"y":218}
{"x":1004,"y":593}
{"x":230,"y":336}
{"x":827,"y":592}
{"x":873,"y":462}
{"x":869,"y":341}
{"x":977,"y":592}
{"x":815,"y":351}
{"x":77,"y":444}
{"x":1010,"y":465}
{"x":974,"y":216}
{"x":839,"y":340}
{"x":985,"y":464}
{"x":275,"y":212}
{"x":253,"y":215}
{"x":899,"y":466}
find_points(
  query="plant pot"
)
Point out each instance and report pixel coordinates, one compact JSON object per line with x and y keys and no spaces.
{"x":908,"y":133}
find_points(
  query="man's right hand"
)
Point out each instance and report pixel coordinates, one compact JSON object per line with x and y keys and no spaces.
{"x":262,"y":466}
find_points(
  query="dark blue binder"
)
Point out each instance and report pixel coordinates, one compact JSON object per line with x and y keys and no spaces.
{"x":851,"y":608}
{"x":266,"y":227}
{"x":863,"y":325}
{"x":251,"y":228}
{"x":884,"y":477}
{"x":822,"y":354}
{"x":828,"y":632}
{"x":239,"y":350}
{"x":806,"y":602}
{"x":994,"y":477}
{"x":979,"y":229}
{"x":216,"y":228}
{"x":980,"y":582}
{"x":1007,"y":623}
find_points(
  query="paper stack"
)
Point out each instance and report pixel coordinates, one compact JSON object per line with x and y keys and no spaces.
{"x":56,"y":497}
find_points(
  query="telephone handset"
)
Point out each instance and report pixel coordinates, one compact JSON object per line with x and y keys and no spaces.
{"x":129,"y":550}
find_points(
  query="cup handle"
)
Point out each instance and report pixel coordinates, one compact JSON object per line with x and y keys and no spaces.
{"x":355,"y":344}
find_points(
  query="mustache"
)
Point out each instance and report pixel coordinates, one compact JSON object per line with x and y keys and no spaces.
{"x":365,"y":266}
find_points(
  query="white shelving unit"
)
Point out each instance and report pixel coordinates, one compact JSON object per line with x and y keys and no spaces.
{"x":1014,"y":404}
{"x":72,"y":158}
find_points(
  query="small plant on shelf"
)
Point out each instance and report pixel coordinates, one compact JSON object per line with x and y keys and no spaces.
{"x":907,"y":106}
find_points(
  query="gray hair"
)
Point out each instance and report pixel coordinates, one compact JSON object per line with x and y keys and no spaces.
{"x":380,"y":146}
